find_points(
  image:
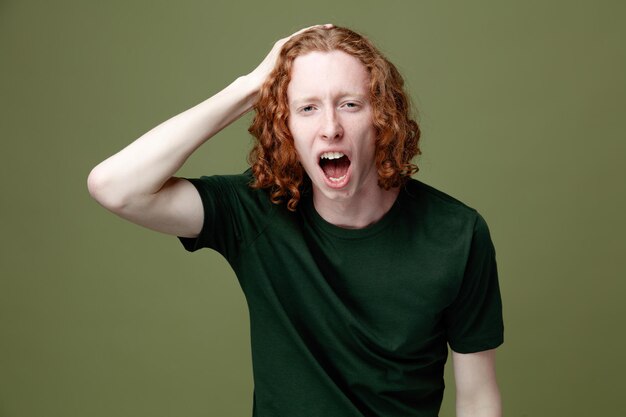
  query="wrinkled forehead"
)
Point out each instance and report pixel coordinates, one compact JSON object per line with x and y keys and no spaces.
{"x":327,"y":74}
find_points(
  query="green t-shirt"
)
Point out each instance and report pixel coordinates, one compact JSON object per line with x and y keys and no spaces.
{"x":354,"y":322}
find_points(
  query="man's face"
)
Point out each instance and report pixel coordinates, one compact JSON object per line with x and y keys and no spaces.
{"x":330,"y":119}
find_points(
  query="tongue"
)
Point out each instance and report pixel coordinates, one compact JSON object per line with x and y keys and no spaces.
{"x":335,"y":168}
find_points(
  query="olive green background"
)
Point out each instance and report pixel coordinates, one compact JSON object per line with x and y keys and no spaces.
{"x":521,"y":105}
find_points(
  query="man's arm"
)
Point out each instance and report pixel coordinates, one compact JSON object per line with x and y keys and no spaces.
{"x":477,"y":392}
{"x":137,"y":183}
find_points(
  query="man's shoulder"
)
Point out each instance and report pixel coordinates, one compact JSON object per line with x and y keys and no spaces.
{"x":236,"y":180}
{"x":426,"y":194}
{"x":229,"y":183}
{"x":234,"y":189}
{"x":441,"y":212}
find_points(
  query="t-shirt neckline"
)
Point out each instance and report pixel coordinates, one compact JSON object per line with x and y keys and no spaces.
{"x":320,"y":223}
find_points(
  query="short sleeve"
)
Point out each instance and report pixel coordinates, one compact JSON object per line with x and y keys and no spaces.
{"x":474,"y":320}
{"x":219,"y":230}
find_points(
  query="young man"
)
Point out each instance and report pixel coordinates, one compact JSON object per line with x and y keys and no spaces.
{"x":357,"y":277}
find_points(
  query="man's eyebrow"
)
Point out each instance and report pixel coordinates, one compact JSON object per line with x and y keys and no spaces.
{"x":303,"y":99}
{"x":309,"y":99}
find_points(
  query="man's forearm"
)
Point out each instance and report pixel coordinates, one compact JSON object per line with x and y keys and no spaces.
{"x":147,"y":163}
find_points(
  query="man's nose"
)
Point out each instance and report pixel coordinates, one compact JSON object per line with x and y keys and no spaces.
{"x":331,"y":129}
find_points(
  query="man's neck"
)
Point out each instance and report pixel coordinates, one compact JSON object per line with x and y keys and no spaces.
{"x":357,"y":212}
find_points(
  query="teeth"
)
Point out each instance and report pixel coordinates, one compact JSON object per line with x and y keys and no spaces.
{"x":337,"y":179}
{"x":332,"y":155}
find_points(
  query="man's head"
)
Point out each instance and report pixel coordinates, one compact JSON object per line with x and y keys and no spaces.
{"x":283,"y":107}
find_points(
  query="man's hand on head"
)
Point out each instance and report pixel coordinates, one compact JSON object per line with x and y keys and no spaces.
{"x":263,"y":70}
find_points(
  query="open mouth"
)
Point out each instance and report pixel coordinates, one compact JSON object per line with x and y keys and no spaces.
{"x":335,"y":165}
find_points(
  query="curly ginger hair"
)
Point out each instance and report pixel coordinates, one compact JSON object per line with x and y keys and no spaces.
{"x":273,"y":158}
